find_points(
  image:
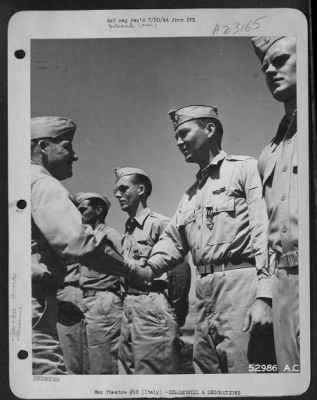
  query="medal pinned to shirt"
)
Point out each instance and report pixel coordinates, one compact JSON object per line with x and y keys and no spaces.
{"x":209,"y":217}
{"x":210,"y":211}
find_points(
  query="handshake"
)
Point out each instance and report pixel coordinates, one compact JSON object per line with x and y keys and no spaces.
{"x":139,"y":268}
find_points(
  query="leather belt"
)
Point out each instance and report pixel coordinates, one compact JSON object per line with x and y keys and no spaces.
{"x":93,"y":292}
{"x":207,"y":269}
{"x":157,"y":286}
{"x":287,"y":260}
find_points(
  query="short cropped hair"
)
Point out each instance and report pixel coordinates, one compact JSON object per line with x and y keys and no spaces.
{"x":203,"y":122}
{"x":143,"y":180}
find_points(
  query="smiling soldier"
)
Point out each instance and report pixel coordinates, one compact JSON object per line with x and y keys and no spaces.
{"x":222,"y":221}
{"x":58,"y":236}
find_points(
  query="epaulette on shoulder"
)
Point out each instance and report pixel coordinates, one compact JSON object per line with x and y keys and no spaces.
{"x":158,"y":215}
{"x":238,"y":158}
{"x":102,"y":228}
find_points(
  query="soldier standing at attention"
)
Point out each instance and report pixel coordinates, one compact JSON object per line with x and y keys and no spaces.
{"x":278,"y":170}
{"x":102,"y":294}
{"x":222,"y":221}
{"x":58,"y":236}
{"x":149,"y":342}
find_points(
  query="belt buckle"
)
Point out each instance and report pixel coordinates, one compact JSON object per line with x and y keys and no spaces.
{"x":208,"y":269}
{"x":89,"y":293}
{"x":288,"y":260}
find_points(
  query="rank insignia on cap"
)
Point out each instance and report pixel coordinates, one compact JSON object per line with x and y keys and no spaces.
{"x":174,"y":116}
{"x":189,"y":113}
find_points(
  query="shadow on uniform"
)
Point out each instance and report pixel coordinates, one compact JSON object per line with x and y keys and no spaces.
{"x":261,"y":350}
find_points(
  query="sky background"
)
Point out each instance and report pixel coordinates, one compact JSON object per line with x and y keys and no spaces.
{"x":119,"y":92}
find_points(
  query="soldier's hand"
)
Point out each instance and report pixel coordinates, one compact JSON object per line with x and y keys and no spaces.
{"x":259,"y":317}
{"x":142,"y":262}
{"x":39,"y":270}
{"x":139,"y":269}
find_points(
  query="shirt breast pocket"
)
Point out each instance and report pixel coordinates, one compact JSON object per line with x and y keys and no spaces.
{"x":185,"y":218}
{"x":143,"y":249}
{"x":221,"y":220}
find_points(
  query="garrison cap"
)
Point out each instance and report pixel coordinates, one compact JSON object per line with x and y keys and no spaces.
{"x":120,"y":172}
{"x":81,"y":196}
{"x":261,"y":44}
{"x":189,"y":113}
{"x":52,"y":127}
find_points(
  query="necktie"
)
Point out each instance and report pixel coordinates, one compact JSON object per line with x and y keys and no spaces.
{"x":130,"y":225}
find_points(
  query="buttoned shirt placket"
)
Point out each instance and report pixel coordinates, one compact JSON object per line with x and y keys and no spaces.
{"x":127,"y":238}
{"x":201,"y":198}
{"x":282,"y":184}
{"x":199,"y":211}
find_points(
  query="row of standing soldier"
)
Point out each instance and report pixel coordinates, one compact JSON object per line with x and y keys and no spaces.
{"x":242,"y":234}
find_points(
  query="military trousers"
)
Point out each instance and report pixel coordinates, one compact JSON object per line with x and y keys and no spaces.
{"x":47,"y":357}
{"x":103,"y":315}
{"x":286,"y":319}
{"x":223,"y":300}
{"x":71,"y":330}
{"x":149,"y":341}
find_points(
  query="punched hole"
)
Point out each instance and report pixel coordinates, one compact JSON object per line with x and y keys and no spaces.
{"x":19,"y":54}
{"x":23,"y":354}
{"x":21,"y":204}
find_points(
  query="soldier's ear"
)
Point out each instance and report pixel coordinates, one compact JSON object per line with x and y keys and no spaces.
{"x":210,"y":128}
{"x":98,"y":210}
{"x":141,"y":189}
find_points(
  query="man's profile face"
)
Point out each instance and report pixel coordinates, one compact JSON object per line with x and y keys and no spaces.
{"x":126,"y":191}
{"x":279,"y":67}
{"x":88,"y":212}
{"x":60,"y":158}
{"x":192,"y":141}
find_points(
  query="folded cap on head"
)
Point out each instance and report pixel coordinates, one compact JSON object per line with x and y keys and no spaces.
{"x":52,"y":127}
{"x":121,"y":172}
{"x":81,"y":196}
{"x":189,"y":113}
{"x":261,"y":44}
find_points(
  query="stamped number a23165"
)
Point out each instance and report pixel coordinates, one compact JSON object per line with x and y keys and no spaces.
{"x":237,"y":27}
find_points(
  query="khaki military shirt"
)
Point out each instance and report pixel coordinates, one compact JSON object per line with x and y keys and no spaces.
{"x":278,"y":168}
{"x":92,"y":279}
{"x":138,"y":240}
{"x":58,"y":233}
{"x":221,"y":218}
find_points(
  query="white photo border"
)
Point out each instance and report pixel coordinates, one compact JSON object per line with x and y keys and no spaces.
{"x":25,"y":26}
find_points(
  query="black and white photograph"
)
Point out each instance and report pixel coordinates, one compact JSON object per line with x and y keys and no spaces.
{"x":158,"y":179}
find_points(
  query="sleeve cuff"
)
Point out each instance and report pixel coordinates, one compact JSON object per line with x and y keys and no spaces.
{"x":262,"y":261}
{"x":264,"y":288}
